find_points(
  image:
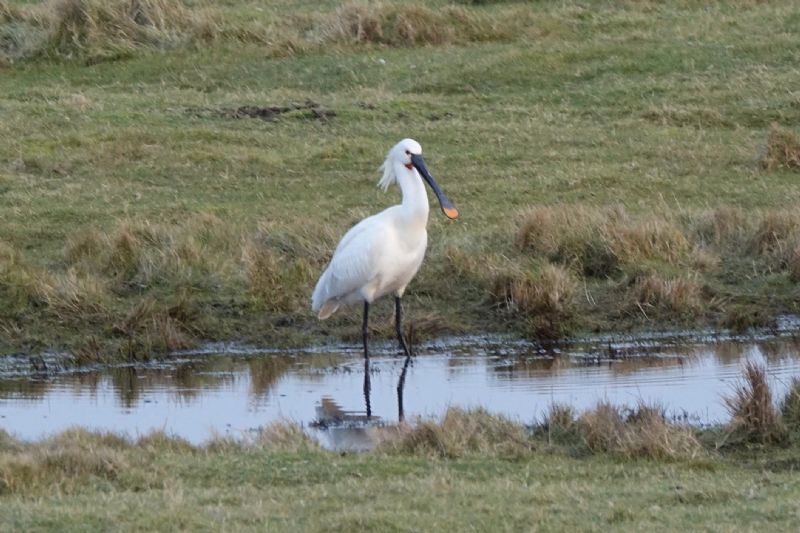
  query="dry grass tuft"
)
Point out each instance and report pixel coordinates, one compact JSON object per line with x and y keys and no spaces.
{"x":285,"y":436}
{"x":73,"y":296}
{"x":101,"y":30}
{"x":783,"y":149}
{"x":546,"y":300}
{"x":650,"y":435}
{"x":404,"y":25}
{"x":680,"y":296}
{"x":67,"y":460}
{"x":459,"y":433}
{"x":602,"y":428}
{"x":574,"y":236}
{"x":776,"y":234}
{"x":721,"y":227}
{"x":151,"y":327}
{"x":275,"y":280}
{"x":161,"y":442}
{"x":754,"y":416}
{"x":551,"y":292}
{"x":560,"y":424}
{"x":653,"y":238}
{"x":790,"y":406}
{"x":599,"y":242}
{"x":643,"y":432}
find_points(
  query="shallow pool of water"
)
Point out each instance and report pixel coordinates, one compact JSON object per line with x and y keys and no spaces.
{"x":232,"y":394}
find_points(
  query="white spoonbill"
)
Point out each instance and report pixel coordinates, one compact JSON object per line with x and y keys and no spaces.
{"x":382,"y":253}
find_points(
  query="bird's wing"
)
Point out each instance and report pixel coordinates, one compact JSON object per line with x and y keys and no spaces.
{"x":354,"y":262}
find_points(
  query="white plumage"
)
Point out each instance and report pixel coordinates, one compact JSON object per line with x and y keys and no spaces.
{"x":382,"y":253}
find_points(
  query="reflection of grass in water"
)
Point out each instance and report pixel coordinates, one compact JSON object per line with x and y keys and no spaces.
{"x":266,"y":371}
{"x":24,"y":388}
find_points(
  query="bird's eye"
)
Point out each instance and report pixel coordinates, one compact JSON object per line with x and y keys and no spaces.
{"x":408,"y":153}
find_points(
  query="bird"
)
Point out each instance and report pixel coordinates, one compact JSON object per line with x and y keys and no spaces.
{"x":382,"y":253}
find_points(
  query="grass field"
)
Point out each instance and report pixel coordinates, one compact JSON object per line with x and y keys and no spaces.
{"x":605,"y":470}
{"x":617,"y":165}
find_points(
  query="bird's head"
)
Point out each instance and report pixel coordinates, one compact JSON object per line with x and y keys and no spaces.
{"x":408,"y":153}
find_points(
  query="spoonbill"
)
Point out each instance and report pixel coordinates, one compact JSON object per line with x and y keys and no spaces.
{"x":382,"y":253}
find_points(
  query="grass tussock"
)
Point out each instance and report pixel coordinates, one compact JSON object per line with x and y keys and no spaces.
{"x":599,"y":242}
{"x":721,"y":228}
{"x":641,"y":432}
{"x":102,"y":30}
{"x":160,"y":442}
{"x":405,"y":25}
{"x":754,"y":416}
{"x":285,"y":436}
{"x":275,"y":280}
{"x":70,"y":459}
{"x":459,"y":433}
{"x":782,"y":150}
{"x":545,"y":300}
{"x":97,"y":30}
{"x":560,"y":424}
{"x":678,"y":296}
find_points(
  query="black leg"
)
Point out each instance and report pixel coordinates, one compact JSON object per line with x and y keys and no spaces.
{"x":398,"y":325}
{"x":400,"y":386}
{"x":398,"y":314}
{"x":365,"y":334}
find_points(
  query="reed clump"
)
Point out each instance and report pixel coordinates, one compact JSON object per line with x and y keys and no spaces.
{"x":754,"y":415}
{"x":560,"y":425}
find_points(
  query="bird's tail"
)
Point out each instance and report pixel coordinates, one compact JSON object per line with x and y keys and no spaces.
{"x":318,"y":300}
{"x":328,"y":308}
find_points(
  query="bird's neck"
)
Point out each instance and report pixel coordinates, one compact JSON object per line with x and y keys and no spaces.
{"x":415,"y":199}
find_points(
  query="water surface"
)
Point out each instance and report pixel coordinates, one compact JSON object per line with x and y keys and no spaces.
{"x":203,"y":394}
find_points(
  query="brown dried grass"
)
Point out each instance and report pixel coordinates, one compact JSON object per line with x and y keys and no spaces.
{"x":682,"y":296}
{"x":599,"y":242}
{"x":782,"y":150}
{"x":459,"y":433}
{"x":285,"y":436}
{"x":100,"y":30}
{"x":546,"y":300}
{"x":754,"y":416}
{"x":642,"y":432}
{"x":67,"y":460}
{"x":404,"y":25}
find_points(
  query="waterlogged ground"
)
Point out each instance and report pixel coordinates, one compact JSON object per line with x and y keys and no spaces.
{"x":233,"y":391}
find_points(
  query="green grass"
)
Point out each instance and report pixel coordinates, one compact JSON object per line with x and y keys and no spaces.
{"x":139,"y":214}
{"x":492,"y":477}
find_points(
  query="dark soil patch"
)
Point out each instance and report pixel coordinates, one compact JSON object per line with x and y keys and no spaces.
{"x":310,"y":109}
